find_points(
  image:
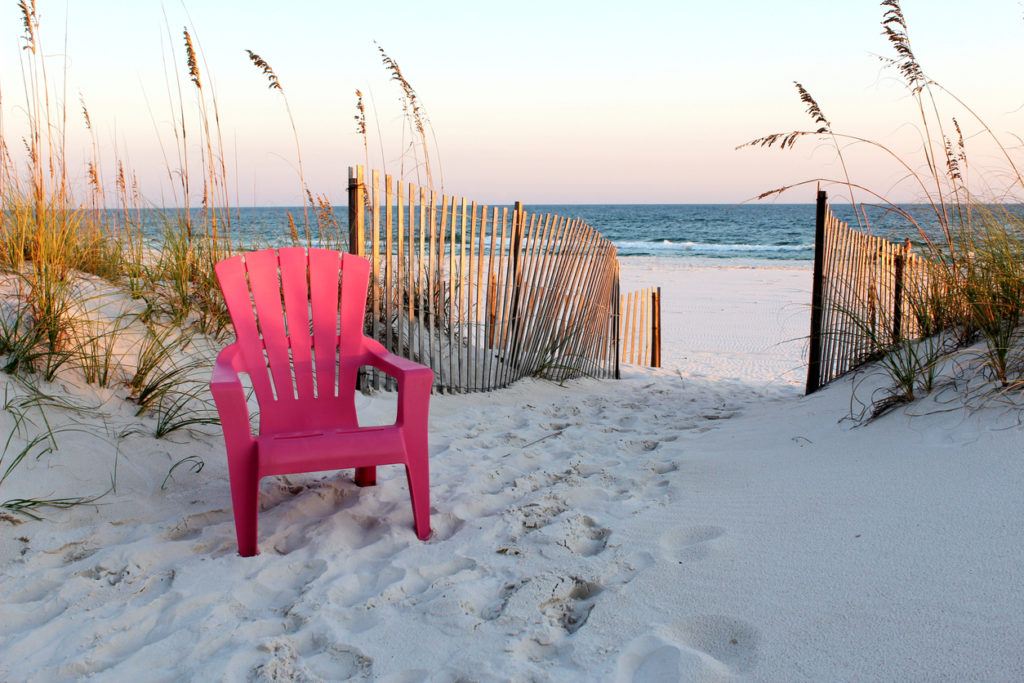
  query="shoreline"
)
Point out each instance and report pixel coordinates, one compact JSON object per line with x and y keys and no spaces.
{"x":727,"y":263}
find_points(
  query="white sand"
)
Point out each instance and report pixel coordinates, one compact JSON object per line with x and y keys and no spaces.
{"x":701,"y":522}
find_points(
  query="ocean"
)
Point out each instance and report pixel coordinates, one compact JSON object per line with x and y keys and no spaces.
{"x":766,"y":232}
{"x":720,"y":231}
{"x":723,"y":231}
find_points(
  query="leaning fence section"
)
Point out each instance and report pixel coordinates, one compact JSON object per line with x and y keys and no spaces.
{"x":483,"y":295}
{"x":866,"y":296}
{"x":640,"y":327}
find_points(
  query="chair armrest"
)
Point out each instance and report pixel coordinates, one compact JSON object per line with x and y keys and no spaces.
{"x":229,"y":395}
{"x":396,"y":366}
{"x":414,"y":381}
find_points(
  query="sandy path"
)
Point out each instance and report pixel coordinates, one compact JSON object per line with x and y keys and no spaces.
{"x":746,"y":322}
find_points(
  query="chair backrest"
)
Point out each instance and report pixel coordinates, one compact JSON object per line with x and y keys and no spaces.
{"x":298,"y":317}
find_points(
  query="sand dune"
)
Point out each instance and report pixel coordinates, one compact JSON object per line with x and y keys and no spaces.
{"x":700,"y":522}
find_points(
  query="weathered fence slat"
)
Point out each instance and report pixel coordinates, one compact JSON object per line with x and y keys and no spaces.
{"x":483,"y":295}
{"x":638,"y":322}
{"x":389,"y":271}
{"x":375,"y":279}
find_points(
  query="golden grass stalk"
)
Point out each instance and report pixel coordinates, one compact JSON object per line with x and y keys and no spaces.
{"x":360,"y":118}
{"x":211,"y":151}
{"x":416,"y":119}
{"x":274,"y":83}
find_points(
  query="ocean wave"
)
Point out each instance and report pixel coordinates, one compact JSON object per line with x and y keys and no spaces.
{"x":668,"y":245}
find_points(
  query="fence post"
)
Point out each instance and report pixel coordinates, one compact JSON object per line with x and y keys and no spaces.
{"x":356,"y":211}
{"x":616,"y":322}
{"x":357,"y":201}
{"x":897,"y":295}
{"x":656,"y":328}
{"x":814,"y":352}
{"x":518,"y":227}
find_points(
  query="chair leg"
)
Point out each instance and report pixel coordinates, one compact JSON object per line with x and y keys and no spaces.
{"x":366,"y":476}
{"x":417,"y":473}
{"x":245,"y":495}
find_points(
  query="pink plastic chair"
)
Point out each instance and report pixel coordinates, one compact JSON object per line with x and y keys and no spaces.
{"x":298,"y":318}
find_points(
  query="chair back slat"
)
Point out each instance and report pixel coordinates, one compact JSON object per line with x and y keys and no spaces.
{"x":324,"y":269}
{"x":265,"y":284}
{"x":231,"y":273}
{"x":352,"y":312}
{"x":355,"y":277}
{"x":295,"y":287}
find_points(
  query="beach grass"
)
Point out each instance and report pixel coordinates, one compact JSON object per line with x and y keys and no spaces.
{"x":52,"y":242}
{"x":973,"y":236}
{"x":57,"y":233}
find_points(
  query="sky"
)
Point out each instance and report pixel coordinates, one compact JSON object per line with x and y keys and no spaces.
{"x":540,"y":102}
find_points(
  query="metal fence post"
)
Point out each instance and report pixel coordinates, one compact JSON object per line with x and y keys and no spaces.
{"x":897,"y":295}
{"x":814,"y":352}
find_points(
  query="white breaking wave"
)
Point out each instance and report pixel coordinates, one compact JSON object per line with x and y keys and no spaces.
{"x":668,"y":245}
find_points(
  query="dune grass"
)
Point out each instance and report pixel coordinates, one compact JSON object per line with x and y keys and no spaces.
{"x":53,"y":326}
{"x":969,"y":310}
{"x":59,"y":234}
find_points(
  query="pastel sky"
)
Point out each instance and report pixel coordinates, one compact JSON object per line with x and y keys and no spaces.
{"x":544,"y":102}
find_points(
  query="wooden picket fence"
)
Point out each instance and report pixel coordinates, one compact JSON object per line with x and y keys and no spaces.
{"x":483,"y":295}
{"x":866,"y":296}
{"x":640,"y":327}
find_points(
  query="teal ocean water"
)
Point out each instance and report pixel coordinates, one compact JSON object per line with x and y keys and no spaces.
{"x":720,"y":231}
{"x":715,"y":231}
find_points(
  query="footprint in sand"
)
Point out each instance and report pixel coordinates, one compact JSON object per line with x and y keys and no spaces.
{"x":535,"y":515}
{"x":625,"y":566}
{"x":279,"y":585}
{"x":651,"y":659}
{"x":547,"y":608}
{"x":703,"y":647}
{"x":496,"y":608}
{"x":331,"y":661}
{"x":317,"y":659}
{"x":689,"y":544}
{"x":728,"y":640}
{"x":640,"y":445}
{"x":664,"y":467}
{"x":585,"y":536}
{"x":570,"y":609}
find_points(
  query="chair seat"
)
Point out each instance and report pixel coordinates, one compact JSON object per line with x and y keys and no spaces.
{"x":329,"y":449}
